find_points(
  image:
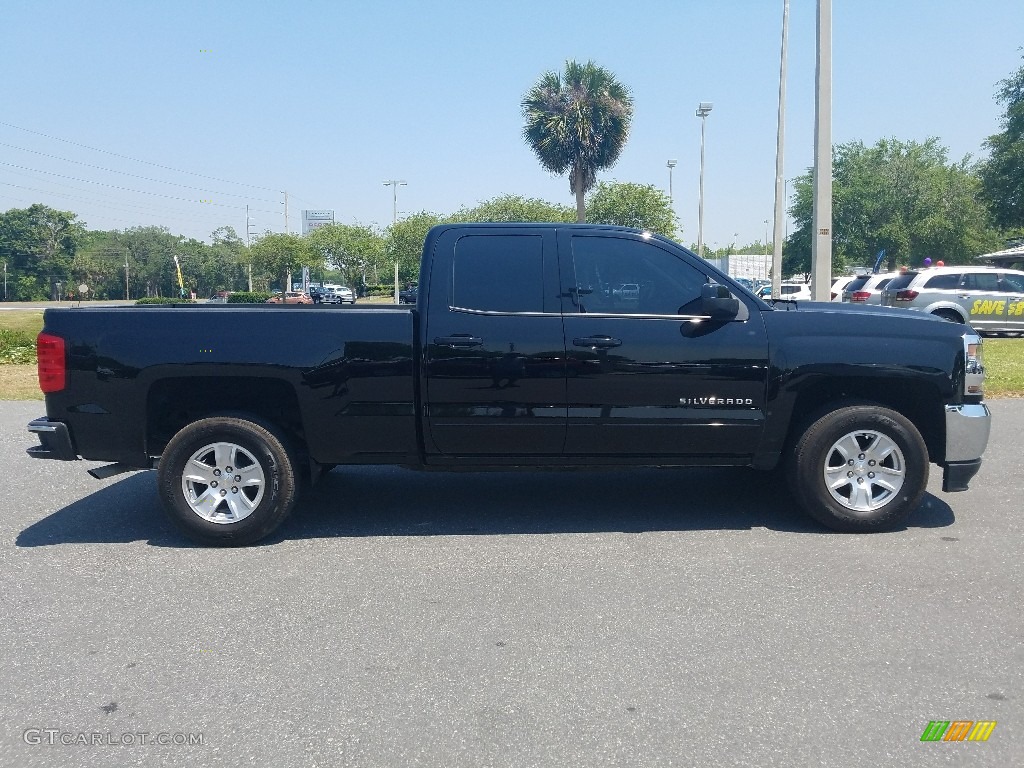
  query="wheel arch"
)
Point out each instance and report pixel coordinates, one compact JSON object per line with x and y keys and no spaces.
{"x":919,"y":402}
{"x":947,"y":306}
{"x":173,"y":403}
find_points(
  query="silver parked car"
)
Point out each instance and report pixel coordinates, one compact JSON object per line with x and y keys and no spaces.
{"x":867,"y":289}
{"x":338,"y":295}
{"x":989,"y":299}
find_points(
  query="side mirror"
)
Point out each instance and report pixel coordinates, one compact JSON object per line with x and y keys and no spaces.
{"x":717,"y":302}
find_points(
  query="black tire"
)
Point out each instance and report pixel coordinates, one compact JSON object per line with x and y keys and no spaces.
{"x":859,"y":501}
{"x":949,"y":314}
{"x":262,"y":494}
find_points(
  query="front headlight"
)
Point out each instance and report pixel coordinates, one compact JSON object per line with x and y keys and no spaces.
{"x":974,"y":369}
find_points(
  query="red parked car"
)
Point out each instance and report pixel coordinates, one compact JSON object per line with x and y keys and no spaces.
{"x":291,"y":297}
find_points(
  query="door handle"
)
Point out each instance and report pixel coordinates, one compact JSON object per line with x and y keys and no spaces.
{"x":597,"y":342}
{"x":459,"y":341}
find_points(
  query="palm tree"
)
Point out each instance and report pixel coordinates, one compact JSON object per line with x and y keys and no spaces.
{"x":578,"y":121}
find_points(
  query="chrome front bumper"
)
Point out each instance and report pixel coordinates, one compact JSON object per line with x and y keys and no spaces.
{"x":967,"y":430}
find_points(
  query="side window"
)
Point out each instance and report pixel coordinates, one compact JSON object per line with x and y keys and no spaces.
{"x":980,"y":281}
{"x":1011,"y":284}
{"x":943,"y":282}
{"x":499,"y":273}
{"x":630,"y":277}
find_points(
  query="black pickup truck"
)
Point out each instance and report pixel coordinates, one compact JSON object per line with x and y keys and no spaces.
{"x":529,"y":346}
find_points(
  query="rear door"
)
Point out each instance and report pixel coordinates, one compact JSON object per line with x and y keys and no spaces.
{"x":648,"y":375}
{"x":1011,"y":289}
{"x":978,"y":294}
{"x":494,"y":351}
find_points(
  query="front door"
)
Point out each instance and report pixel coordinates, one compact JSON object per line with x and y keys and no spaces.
{"x":648,"y":375}
{"x":493,"y":345}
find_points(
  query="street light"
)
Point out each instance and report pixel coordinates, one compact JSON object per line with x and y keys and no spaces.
{"x":395,"y":184}
{"x":671,"y":164}
{"x":703,"y":110}
{"x":766,"y":249}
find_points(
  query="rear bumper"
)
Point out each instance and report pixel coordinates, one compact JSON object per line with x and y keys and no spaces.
{"x":54,"y":440}
{"x":967,"y":431}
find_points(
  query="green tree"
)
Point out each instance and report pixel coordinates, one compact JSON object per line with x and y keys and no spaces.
{"x":352,"y":249}
{"x":905,"y":197}
{"x":1003,"y":173}
{"x":642,"y":206}
{"x":39,"y":245}
{"x":578,"y":121}
{"x":403,"y":243}
{"x":516,"y":208}
{"x":227,"y":267}
{"x":278,"y":256}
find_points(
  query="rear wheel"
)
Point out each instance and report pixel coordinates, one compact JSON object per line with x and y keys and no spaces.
{"x":227,"y":481}
{"x":860,"y":468}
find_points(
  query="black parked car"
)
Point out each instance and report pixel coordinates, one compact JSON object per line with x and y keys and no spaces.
{"x":409,"y":294}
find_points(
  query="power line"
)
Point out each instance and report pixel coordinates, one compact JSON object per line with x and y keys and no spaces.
{"x":134,"y":205}
{"x":145,"y":208}
{"x":124,"y":189}
{"x":134,"y":175}
{"x":137,"y":160}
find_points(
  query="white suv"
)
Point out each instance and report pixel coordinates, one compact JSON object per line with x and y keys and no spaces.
{"x":788,"y":292}
{"x":988,"y":298}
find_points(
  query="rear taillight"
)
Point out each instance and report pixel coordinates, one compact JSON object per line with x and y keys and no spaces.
{"x":52,"y":368}
{"x":860,"y":295}
{"x":906,"y":295}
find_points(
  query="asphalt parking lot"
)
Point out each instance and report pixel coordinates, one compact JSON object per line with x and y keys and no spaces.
{"x":629,"y":618}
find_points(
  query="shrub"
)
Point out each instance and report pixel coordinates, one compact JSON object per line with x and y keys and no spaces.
{"x":163,"y":300}
{"x":247,"y":297}
{"x":17,"y":346}
{"x":382,"y":289}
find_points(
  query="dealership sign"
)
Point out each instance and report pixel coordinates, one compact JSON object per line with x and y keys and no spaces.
{"x":315,"y":219}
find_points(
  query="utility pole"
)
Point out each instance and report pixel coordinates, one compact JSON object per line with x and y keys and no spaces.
{"x":671,"y":164}
{"x":703,"y":110}
{"x":126,"y":274}
{"x":5,"y":281}
{"x":395,"y":184}
{"x":780,"y":182}
{"x":286,"y":212}
{"x":821,"y":239}
{"x":248,"y":245}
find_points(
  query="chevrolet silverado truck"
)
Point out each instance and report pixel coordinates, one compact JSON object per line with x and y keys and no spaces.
{"x":522,"y":351}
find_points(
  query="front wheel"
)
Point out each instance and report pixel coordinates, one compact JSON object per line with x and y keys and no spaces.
{"x":227,"y":481}
{"x":859,"y":469}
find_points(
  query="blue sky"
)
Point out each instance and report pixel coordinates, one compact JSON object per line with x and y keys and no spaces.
{"x":328,"y":99}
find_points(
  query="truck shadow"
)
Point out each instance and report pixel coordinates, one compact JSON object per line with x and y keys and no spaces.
{"x":389,"y":501}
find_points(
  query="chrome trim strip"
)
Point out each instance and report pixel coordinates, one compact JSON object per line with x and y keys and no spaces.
{"x":41,"y":428}
{"x":601,"y":315}
{"x":495,"y":313}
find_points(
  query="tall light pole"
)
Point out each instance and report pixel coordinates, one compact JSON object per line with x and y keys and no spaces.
{"x":781,"y":184}
{"x":821,"y":238}
{"x":395,"y":184}
{"x":703,"y":110}
{"x":671,"y":164}
{"x":766,"y":248}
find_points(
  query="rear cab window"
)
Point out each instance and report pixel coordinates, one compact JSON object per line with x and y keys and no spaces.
{"x":498,"y":273}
